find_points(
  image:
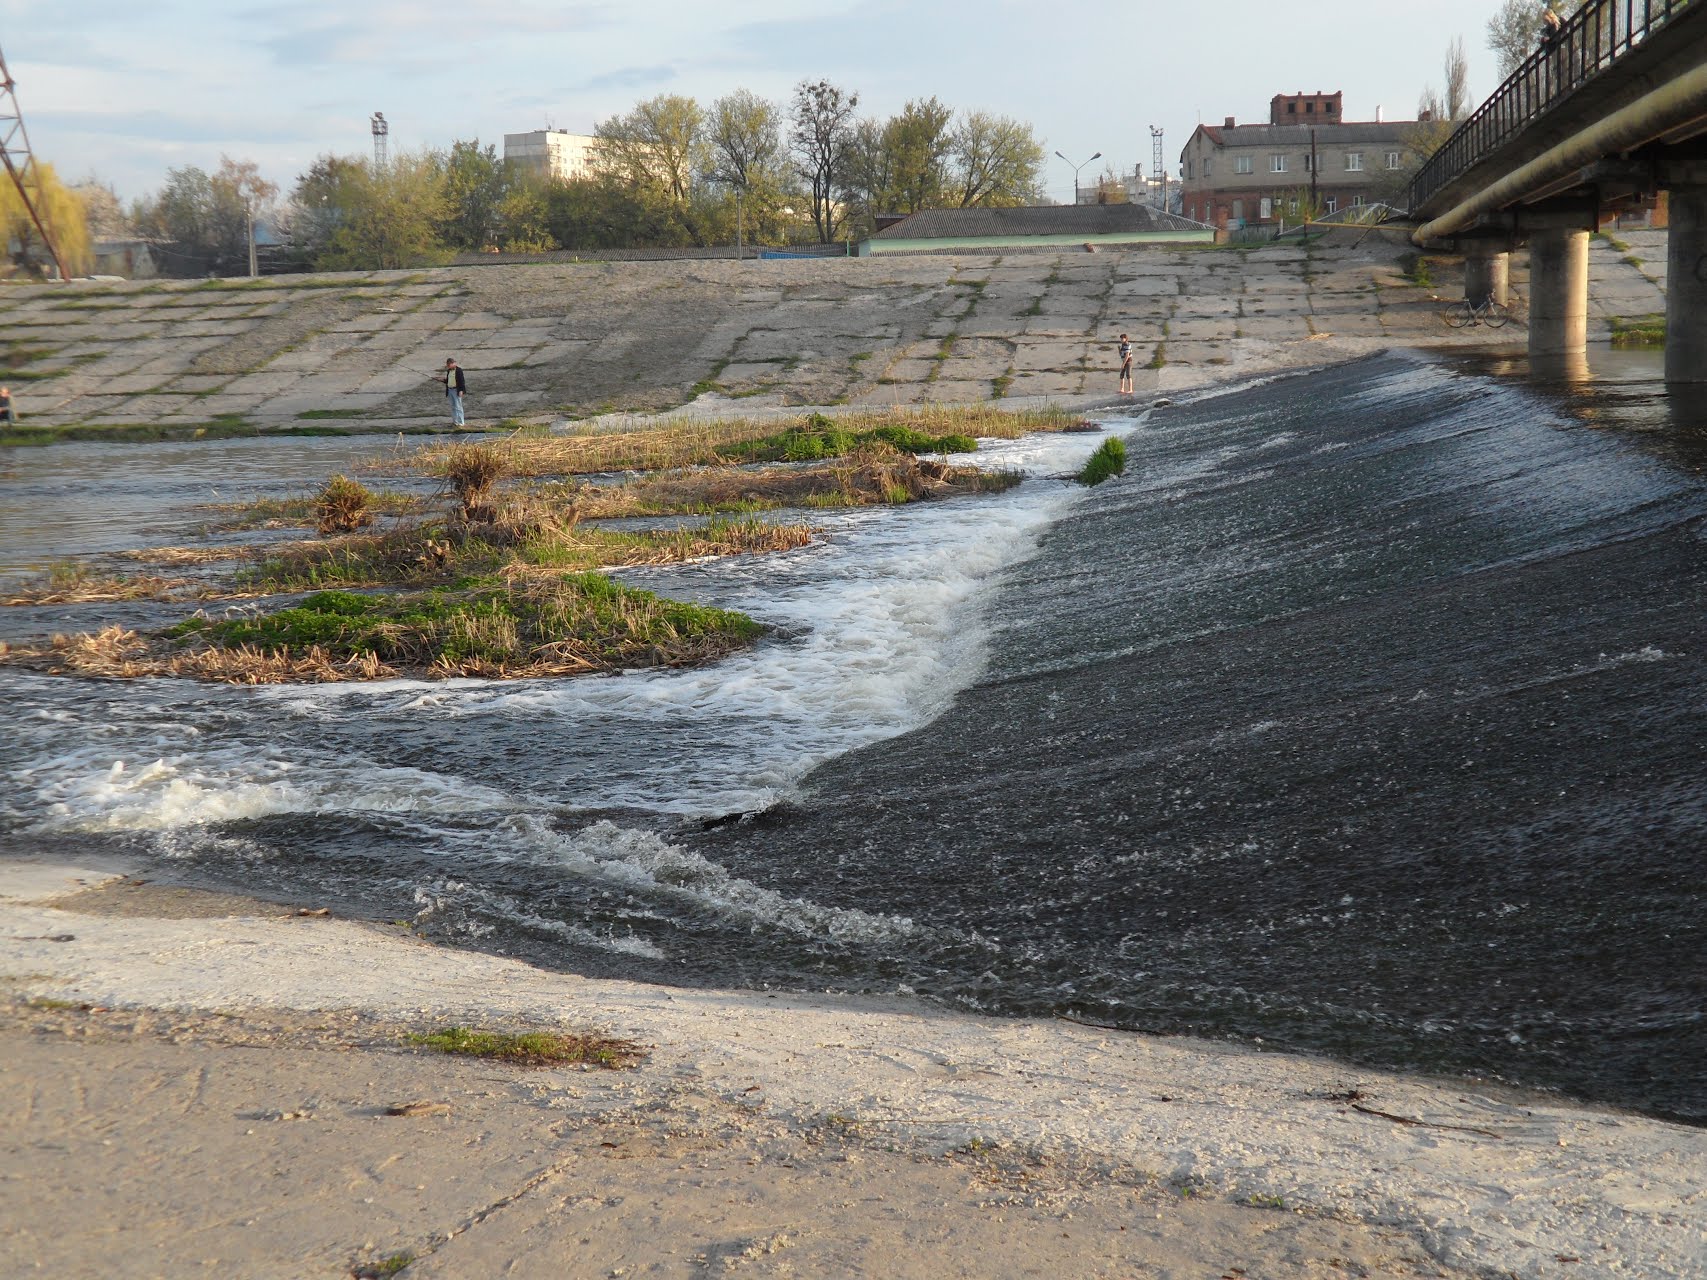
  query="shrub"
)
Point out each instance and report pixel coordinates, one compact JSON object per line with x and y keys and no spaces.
{"x":473,"y":471}
{"x":343,"y":506}
{"x":1108,"y":460}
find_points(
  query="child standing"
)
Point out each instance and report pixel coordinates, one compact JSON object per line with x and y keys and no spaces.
{"x":1125,"y":349}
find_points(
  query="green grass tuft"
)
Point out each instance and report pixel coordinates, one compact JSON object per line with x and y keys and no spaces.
{"x":1109,"y":460}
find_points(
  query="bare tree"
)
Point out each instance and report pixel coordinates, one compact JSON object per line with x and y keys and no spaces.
{"x":1457,"y":71}
{"x":821,"y":130}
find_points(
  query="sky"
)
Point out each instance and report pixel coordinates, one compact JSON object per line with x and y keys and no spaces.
{"x":123,"y":90}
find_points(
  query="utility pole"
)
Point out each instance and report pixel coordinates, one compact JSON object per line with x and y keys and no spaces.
{"x":1312,"y":174}
{"x":21,"y":163}
{"x":1159,"y":166}
{"x":381,"y":131}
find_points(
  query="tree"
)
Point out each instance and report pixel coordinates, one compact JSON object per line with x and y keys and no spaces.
{"x":240,"y":182}
{"x":1514,"y":32}
{"x":475,"y":190}
{"x":995,"y":160}
{"x":821,"y":129}
{"x":198,"y":227}
{"x":918,"y":144}
{"x":350,"y":216}
{"x":661,"y":141}
{"x":106,"y":217}
{"x":60,"y":210}
{"x":744,"y":133}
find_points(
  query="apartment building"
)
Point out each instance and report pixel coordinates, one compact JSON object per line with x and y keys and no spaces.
{"x":553,"y":154}
{"x":1234,"y":175}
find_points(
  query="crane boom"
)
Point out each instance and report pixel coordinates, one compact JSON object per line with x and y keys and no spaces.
{"x":21,"y":164}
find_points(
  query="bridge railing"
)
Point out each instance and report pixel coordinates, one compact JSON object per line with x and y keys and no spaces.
{"x":1593,"y":38}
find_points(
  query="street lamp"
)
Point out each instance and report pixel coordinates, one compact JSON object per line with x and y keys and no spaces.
{"x":1076,"y":168}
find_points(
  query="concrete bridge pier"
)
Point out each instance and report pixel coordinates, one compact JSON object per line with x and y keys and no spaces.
{"x":1487,"y":271}
{"x":1558,"y":291}
{"x":1686,"y":286}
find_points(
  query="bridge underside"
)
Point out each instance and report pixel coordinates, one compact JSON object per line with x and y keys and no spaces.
{"x":1620,"y":138}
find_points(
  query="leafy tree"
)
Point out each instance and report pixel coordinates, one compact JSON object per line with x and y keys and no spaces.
{"x":61,"y":211}
{"x":352,"y":217}
{"x":918,"y":144}
{"x":820,"y":133}
{"x":744,"y":133}
{"x":661,"y":141}
{"x":868,"y":172}
{"x":475,"y":190}
{"x":995,"y":160}
{"x":609,"y":212}
{"x":522,"y":219}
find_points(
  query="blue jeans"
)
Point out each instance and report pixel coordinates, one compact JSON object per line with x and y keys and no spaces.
{"x":455,"y":406}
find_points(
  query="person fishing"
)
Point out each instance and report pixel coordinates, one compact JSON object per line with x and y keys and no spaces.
{"x":6,"y":414}
{"x":456,"y":386}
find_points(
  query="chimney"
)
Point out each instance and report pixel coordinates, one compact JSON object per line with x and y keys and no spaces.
{"x":1228,"y":123}
{"x":1378,"y":113}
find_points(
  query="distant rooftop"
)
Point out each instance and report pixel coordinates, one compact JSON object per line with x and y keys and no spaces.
{"x":1036,"y":220}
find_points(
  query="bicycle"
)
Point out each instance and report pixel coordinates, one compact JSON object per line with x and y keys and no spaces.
{"x":1487,"y":311}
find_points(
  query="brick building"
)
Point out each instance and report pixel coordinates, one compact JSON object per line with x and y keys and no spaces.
{"x":1234,"y":175}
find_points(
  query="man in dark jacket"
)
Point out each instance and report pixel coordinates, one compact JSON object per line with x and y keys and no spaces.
{"x":455,"y":386}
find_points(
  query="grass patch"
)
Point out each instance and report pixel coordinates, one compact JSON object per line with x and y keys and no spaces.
{"x":315,"y":415}
{"x":531,"y":1048}
{"x":71,"y":583}
{"x":821,"y":437}
{"x":522,"y":538}
{"x":867,"y":476}
{"x":1639,"y":331}
{"x":1109,"y":460}
{"x":555,"y":626}
{"x":715,"y":442}
{"x":1159,"y":358}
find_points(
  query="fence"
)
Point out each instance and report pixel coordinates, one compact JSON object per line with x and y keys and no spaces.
{"x":1592,"y":39}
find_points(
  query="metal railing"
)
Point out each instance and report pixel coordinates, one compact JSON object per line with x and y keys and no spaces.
{"x":1592,"y":39}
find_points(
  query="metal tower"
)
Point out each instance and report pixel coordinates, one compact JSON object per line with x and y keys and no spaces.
{"x":1158,"y":167}
{"x":381,"y":131}
{"x":21,"y":163}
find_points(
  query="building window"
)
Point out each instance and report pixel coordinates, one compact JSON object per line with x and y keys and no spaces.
{"x":1357,"y":201}
{"x":1291,"y":108}
{"x":1241,"y":164}
{"x":1208,"y":165}
{"x":1392,"y":159}
{"x":1188,"y":168}
{"x":1267,"y":208}
{"x":1309,"y":108}
{"x":1333,"y":204}
{"x":1277,"y":164}
{"x":1354,"y":161}
{"x":1238,"y":211}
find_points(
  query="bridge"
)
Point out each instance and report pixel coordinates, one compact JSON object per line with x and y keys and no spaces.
{"x":1602,"y":118}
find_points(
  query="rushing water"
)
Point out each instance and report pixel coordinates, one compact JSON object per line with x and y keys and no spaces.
{"x":1364,"y":714}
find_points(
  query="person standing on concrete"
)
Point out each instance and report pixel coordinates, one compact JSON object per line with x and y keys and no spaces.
{"x":1125,"y":350}
{"x":456,"y":386}
{"x":6,"y":414}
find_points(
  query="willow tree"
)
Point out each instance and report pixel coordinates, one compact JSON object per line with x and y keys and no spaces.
{"x":62,"y":213}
